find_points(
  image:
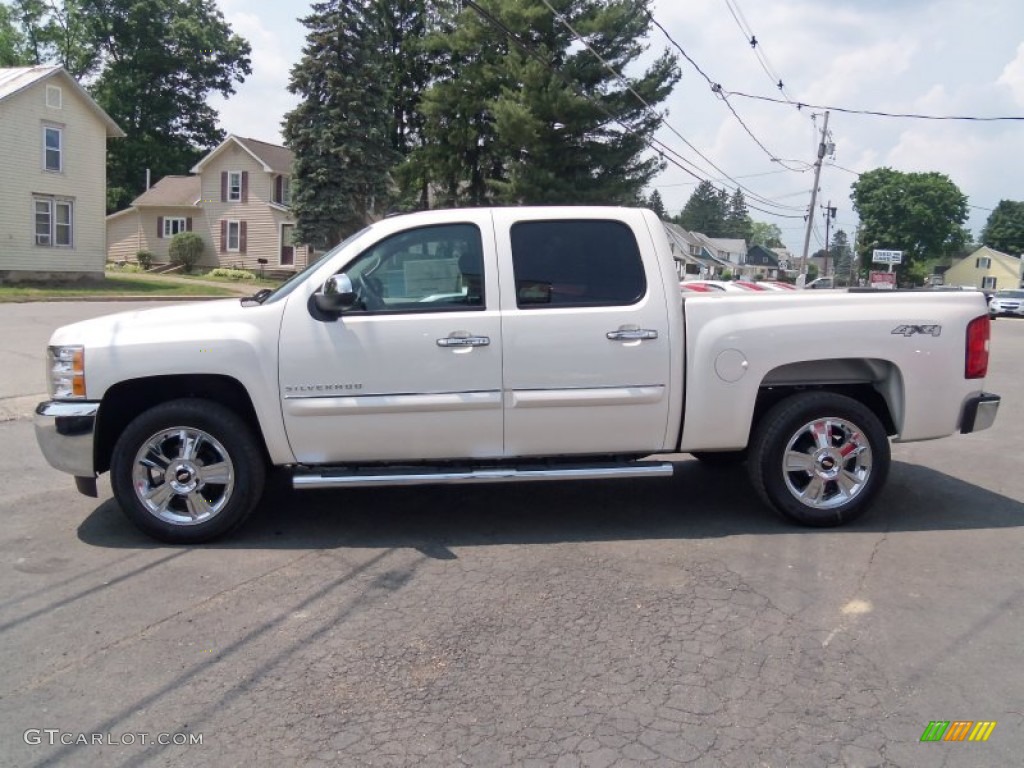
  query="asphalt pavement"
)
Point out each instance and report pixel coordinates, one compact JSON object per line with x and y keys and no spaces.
{"x":629,"y":623}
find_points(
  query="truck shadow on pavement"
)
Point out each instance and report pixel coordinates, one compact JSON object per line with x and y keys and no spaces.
{"x":698,"y":502}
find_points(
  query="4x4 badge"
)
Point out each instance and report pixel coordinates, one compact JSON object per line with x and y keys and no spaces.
{"x":910,"y":330}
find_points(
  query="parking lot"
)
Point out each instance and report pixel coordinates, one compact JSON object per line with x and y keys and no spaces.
{"x":622,"y":623}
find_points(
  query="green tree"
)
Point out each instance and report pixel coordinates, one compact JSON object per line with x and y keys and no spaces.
{"x":705,"y":211}
{"x":13,"y":47}
{"x":342,"y":131}
{"x":551,"y":125}
{"x":921,"y":214}
{"x":764,"y":234}
{"x":151,"y":64}
{"x":738,"y":224}
{"x":59,"y":32}
{"x":656,"y":204}
{"x":841,"y":256}
{"x":1004,"y":229}
{"x":409,"y":62}
{"x":162,"y":60}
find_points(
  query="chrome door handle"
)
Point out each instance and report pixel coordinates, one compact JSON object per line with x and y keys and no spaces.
{"x":464,"y":341}
{"x":631,"y":334}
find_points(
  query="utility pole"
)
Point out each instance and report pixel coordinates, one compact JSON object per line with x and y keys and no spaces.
{"x":814,"y":197}
{"x":830,"y":213}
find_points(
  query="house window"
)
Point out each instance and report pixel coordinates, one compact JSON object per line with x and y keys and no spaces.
{"x":54,"y":98}
{"x":988,"y":283}
{"x":53,"y":153}
{"x":982,"y":262}
{"x":234,"y":235}
{"x":286,"y":191}
{"x":54,"y":224}
{"x":174,"y":226}
{"x":234,"y":186}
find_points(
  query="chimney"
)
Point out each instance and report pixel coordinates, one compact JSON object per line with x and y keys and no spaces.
{"x":147,"y":178}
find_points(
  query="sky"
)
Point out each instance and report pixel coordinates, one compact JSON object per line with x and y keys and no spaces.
{"x":927,"y":57}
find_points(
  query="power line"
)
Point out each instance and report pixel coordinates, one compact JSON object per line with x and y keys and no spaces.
{"x":872,"y":112}
{"x":748,"y":34}
{"x":564,"y":22}
{"x":717,"y":89}
{"x":665,"y":151}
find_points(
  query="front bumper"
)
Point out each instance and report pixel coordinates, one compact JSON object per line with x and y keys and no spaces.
{"x":66,"y":435}
{"x":979,"y":413}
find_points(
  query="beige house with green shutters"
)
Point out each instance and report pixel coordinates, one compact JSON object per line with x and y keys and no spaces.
{"x":988,"y":269}
{"x":53,"y":161}
{"x":238,"y":201}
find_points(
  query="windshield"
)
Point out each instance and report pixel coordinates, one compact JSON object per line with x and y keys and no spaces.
{"x":1010,"y":295}
{"x":295,"y":280}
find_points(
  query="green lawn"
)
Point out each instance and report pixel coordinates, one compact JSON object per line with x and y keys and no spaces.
{"x":255,"y":284}
{"x":113,"y":286}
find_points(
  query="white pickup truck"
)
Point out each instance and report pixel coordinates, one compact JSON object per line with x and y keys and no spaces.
{"x":515,"y":344}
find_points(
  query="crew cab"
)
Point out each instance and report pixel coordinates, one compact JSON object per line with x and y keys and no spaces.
{"x":508,"y":344}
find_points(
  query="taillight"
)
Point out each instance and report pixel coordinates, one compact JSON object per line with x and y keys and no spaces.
{"x":976,"y":362}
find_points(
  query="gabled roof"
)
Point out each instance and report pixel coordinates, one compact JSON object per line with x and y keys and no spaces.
{"x":273,"y":157}
{"x":685,"y":239}
{"x":759,"y":256}
{"x":993,"y":253}
{"x":171,"y":192}
{"x":16,"y":79}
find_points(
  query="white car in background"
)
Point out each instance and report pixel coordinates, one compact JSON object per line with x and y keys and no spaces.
{"x":1007,"y":302}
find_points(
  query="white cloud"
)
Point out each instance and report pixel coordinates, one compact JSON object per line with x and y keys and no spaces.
{"x":1012,"y":76}
{"x":260,"y":103}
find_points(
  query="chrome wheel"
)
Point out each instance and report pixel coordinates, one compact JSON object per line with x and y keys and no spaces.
{"x":183,"y":476}
{"x":827,"y":463}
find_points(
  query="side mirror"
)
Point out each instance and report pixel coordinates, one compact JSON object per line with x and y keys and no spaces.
{"x":337,"y":295}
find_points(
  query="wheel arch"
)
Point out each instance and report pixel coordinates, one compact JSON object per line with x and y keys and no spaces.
{"x":876,"y":383}
{"x":125,"y":400}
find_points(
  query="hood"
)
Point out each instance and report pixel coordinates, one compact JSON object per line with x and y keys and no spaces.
{"x":183,"y":320}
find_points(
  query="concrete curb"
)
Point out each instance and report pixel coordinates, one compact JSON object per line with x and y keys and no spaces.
{"x":19,"y":408}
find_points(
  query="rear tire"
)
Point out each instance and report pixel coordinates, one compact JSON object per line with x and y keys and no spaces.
{"x":819,"y":458}
{"x":187,"y":471}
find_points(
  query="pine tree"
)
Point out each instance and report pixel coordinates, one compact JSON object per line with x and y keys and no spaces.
{"x":342,"y":132}
{"x":656,"y":204}
{"x":738,"y":223}
{"x":543,"y":125}
{"x":705,"y":211}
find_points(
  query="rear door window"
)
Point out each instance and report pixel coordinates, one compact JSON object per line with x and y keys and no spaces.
{"x":584,"y":263}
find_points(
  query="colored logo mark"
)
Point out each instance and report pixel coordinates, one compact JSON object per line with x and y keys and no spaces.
{"x":958,"y":730}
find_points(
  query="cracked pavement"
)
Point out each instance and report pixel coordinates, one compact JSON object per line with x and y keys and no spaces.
{"x":659,"y":622}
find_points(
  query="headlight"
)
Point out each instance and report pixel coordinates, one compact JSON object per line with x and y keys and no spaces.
{"x":66,"y":367}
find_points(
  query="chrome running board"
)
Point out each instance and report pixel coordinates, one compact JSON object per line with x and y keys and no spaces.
{"x":365,"y":477}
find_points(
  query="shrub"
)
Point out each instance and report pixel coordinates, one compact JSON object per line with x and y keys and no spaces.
{"x":186,"y":250}
{"x":122,"y":266}
{"x":232,"y":274}
{"x":145,"y":259}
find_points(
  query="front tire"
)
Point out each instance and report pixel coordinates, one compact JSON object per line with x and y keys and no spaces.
{"x":819,"y":458}
{"x":187,"y":471}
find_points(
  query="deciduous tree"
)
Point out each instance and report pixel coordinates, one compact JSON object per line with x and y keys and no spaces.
{"x":764,"y":234}
{"x":1004,"y":229}
{"x":921,"y":214}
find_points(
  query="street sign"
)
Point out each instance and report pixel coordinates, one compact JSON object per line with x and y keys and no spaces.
{"x":887,"y":257}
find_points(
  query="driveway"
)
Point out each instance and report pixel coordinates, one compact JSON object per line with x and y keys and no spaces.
{"x":633,"y":623}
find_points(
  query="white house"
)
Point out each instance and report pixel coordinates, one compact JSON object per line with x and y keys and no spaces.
{"x":53,"y":160}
